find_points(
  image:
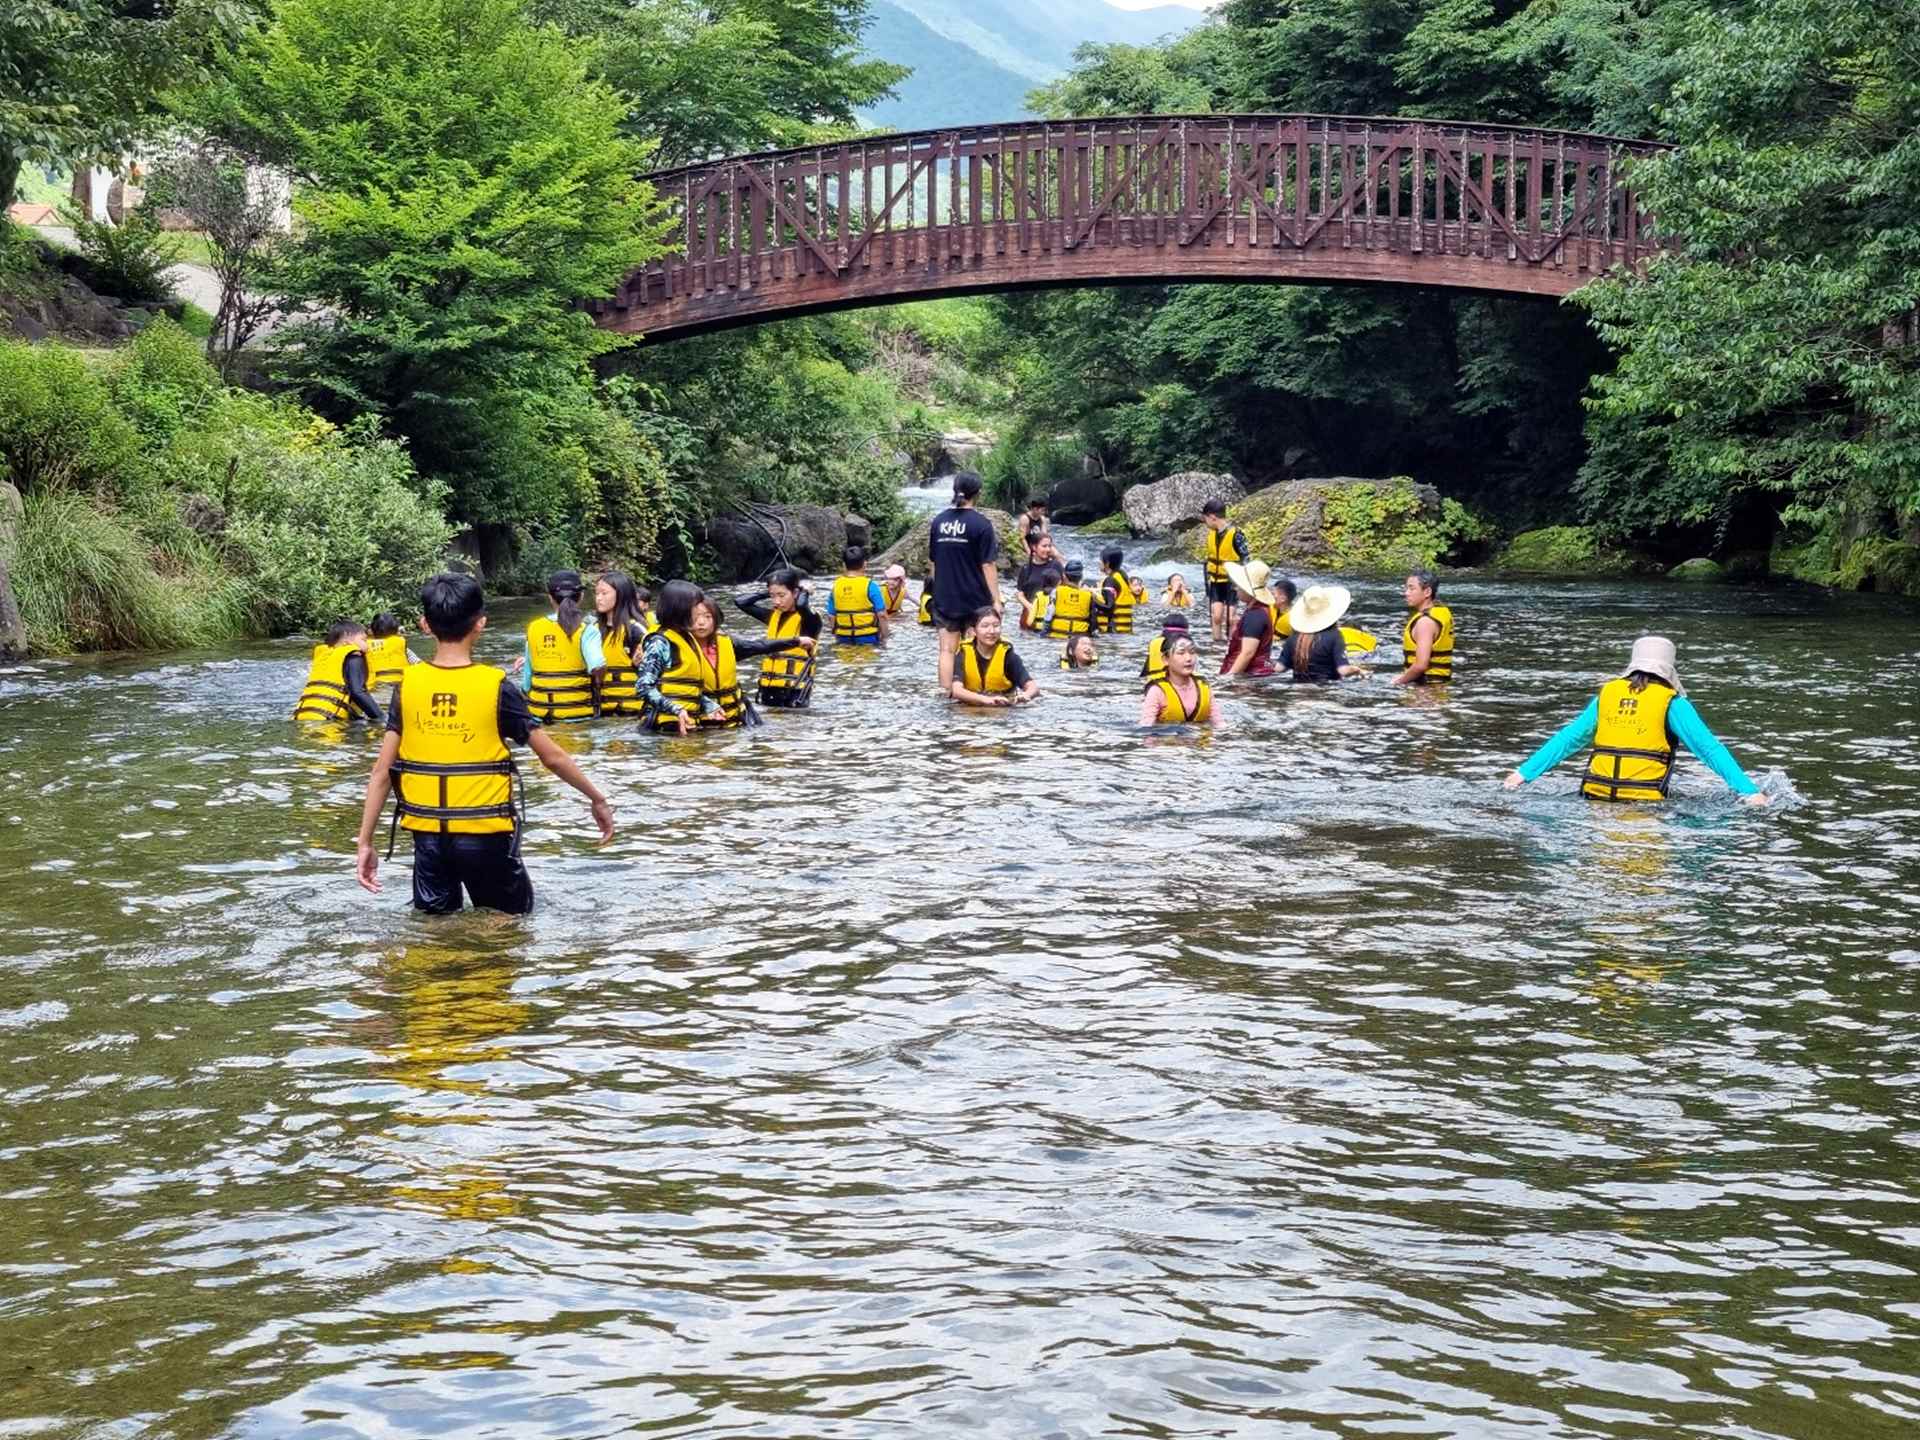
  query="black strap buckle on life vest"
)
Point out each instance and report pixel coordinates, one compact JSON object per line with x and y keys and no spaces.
{"x":1613,"y":784}
{"x":515,"y":809}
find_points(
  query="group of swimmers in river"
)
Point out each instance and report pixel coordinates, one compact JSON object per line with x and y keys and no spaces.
{"x":664,"y":661}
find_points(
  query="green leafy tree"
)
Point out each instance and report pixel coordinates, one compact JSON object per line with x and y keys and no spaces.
{"x":1187,"y":75}
{"x":1773,"y":355}
{"x":463,"y":183}
{"x":82,"y":80}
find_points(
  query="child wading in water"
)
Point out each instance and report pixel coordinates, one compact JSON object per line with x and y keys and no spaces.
{"x":446,"y":746}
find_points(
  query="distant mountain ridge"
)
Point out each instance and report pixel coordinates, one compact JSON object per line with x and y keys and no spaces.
{"x":973,"y":63}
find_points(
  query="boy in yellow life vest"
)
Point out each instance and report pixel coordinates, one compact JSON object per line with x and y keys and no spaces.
{"x":1070,"y":611}
{"x":336,"y":685}
{"x":856,"y":607}
{"x":446,"y":750}
{"x":1113,"y":612}
{"x":1634,"y":725}
{"x":1225,"y":546}
{"x":387,"y":656}
{"x":1154,"y":668}
{"x":1426,"y":645}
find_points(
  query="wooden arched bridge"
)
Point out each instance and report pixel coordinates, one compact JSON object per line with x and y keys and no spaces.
{"x":1269,"y":198}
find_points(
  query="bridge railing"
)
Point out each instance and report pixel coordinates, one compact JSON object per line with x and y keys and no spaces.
{"x":943,"y":198}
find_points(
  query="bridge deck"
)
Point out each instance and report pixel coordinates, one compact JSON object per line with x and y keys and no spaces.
{"x":1269,"y":198}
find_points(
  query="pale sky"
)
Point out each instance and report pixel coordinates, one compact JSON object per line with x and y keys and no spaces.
{"x":1149,"y":4}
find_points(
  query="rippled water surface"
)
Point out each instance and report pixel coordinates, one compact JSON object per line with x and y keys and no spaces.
{"x":905,"y":1071}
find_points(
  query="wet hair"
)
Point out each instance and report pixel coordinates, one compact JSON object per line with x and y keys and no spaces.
{"x":627,"y":613}
{"x":1174,"y":625}
{"x":675,"y":605}
{"x":452,"y":605}
{"x":1072,"y":652}
{"x":1035,"y":535}
{"x":1215,"y":507}
{"x":1638,"y":680}
{"x":1285,"y":587}
{"x":341,"y":631}
{"x":1427,"y":581}
{"x":1073,"y":569}
{"x":854,"y":557}
{"x":983,"y":612}
{"x":966,"y":485}
{"x":1112,"y":556}
{"x":384,"y":624}
{"x":564,"y":588}
{"x":789,"y":577}
{"x":1039,"y":500}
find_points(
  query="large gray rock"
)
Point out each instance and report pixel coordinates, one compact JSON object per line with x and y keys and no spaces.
{"x":13,"y":631}
{"x":809,"y":537}
{"x":1081,"y":499}
{"x":910,"y":550}
{"x":1174,"y":503}
{"x":959,"y":450}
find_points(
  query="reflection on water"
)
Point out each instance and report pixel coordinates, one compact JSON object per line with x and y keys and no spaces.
{"x":1012,"y":1073}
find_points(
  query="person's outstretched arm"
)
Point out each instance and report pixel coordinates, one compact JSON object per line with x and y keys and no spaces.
{"x":354,"y":674}
{"x":1575,"y":734}
{"x":379,"y":786}
{"x":562,"y":765}
{"x":1691,"y":731}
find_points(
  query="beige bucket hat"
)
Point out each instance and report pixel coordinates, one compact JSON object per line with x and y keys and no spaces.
{"x":1320,"y":607}
{"x":1251,"y":579}
{"x":1654,"y":655}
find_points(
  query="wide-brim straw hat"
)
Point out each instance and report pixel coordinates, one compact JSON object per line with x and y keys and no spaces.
{"x":1655,"y":655}
{"x":1251,"y":579}
{"x":1319,"y":608}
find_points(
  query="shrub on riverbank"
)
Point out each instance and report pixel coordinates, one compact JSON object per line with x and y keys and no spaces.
{"x":164,"y":509}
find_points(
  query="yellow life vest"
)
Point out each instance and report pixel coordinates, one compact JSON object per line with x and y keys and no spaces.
{"x":1359,"y":642}
{"x":324,"y":696}
{"x":453,"y":774}
{"x":387,"y":661}
{"x":1440,"y":658}
{"x":1071,"y":612}
{"x":1220,"y":550}
{"x":854,"y":617}
{"x":926,"y":605}
{"x":1154,"y":668}
{"x":1632,"y":752}
{"x":619,"y":681}
{"x":691,"y":676}
{"x":1185,"y":600}
{"x":1118,"y":620}
{"x":785,"y":670}
{"x":558,"y":688}
{"x":895,"y":598}
{"x":1173,"y":710}
{"x":994,"y":681}
{"x":652,"y":622}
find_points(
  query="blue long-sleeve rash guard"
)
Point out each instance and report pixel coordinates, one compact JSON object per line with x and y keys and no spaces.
{"x":1683,"y":721}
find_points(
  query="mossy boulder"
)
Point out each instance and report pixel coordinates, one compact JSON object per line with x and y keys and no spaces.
{"x":1700,"y":571}
{"x":1878,"y":563}
{"x":1563,"y":550}
{"x":910,"y":549}
{"x":1385,"y":527}
{"x":1114,"y":524}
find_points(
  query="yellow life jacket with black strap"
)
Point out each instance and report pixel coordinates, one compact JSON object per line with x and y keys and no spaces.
{"x":324,"y":696}
{"x":1119,"y":619}
{"x":785,"y":670}
{"x":1071,"y":612}
{"x":1632,"y":750}
{"x":854,"y":617}
{"x":993,"y":681}
{"x":1154,"y":668}
{"x":895,"y":599}
{"x":453,"y":774}
{"x":1173,"y":710}
{"x":692,"y":676}
{"x":558,"y":687}
{"x":926,"y":605}
{"x":619,"y":692}
{"x":1440,"y":658}
{"x":1221,"y":550}
{"x":387,"y":661}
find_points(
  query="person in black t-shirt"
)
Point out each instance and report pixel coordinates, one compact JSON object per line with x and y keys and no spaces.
{"x":961,"y":551}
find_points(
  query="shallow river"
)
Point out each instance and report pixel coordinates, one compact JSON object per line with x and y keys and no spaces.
{"x":901,"y":1071}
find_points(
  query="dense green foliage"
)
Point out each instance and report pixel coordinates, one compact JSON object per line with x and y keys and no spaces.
{"x":165,"y":509}
{"x":1772,"y":366}
{"x":130,"y":260}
